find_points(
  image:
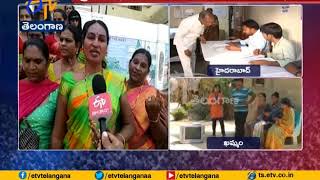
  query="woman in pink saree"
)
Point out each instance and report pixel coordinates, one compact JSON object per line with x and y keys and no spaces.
{"x":148,"y":106}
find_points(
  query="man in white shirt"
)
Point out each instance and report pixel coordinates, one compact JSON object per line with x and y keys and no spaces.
{"x":254,"y":41}
{"x":185,"y":38}
{"x":283,"y":51}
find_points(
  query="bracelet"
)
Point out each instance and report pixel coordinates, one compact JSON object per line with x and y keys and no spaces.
{"x":123,"y":139}
{"x":156,"y":121}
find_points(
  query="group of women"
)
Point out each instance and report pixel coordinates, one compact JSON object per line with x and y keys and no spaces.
{"x":271,"y":123}
{"x":53,"y":96}
{"x":69,"y":16}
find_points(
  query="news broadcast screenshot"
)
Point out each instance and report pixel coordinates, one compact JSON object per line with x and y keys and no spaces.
{"x":159,"y":90}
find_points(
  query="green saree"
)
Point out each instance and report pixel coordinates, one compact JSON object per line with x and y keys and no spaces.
{"x":79,"y":134}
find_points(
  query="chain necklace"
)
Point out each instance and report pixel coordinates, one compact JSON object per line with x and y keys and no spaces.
{"x":72,"y":67}
{"x":135,"y":102}
{"x":140,"y":90}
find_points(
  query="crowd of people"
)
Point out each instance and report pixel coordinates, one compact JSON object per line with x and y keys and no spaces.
{"x":272,"y":123}
{"x":55,"y":83}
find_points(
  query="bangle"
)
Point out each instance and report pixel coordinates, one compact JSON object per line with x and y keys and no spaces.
{"x":156,"y":121}
{"x":123,"y":139}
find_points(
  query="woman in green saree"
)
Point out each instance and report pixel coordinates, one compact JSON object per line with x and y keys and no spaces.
{"x":73,"y":128}
{"x":37,"y":94}
{"x":70,"y":43}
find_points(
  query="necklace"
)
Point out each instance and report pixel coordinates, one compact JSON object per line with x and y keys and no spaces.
{"x":139,"y":93}
{"x":69,"y":66}
{"x":135,"y":102}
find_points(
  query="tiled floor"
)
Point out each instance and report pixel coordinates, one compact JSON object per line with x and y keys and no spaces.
{"x":174,"y":132}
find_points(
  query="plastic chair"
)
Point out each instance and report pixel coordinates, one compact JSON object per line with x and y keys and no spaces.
{"x":297,"y":126}
{"x":293,"y":140}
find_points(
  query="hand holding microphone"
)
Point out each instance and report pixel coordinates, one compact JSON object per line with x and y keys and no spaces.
{"x":110,"y":141}
{"x":100,"y":109}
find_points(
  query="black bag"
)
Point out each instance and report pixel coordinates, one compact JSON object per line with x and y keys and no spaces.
{"x":28,"y":138}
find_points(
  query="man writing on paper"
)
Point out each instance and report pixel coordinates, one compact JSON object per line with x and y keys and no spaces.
{"x":283,"y":51}
{"x":254,"y":41}
{"x":188,"y":31}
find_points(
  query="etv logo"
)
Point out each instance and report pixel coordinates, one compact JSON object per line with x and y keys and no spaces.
{"x":51,"y":3}
{"x":99,"y":102}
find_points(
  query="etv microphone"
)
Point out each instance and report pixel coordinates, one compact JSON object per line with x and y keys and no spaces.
{"x":98,"y":84}
{"x":100,"y":105}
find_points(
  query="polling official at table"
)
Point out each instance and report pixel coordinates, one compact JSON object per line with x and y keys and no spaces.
{"x":283,"y":51}
{"x":253,"y":42}
{"x":188,"y":31}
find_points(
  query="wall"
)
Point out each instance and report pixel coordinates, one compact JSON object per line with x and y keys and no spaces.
{"x":156,"y":14}
{"x":290,"y":21}
{"x":178,"y":13}
{"x":222,"y":12}
{"x":152,"y":14}
{"x":290,"y":88}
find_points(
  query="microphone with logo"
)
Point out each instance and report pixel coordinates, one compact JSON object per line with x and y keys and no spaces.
{"x":100,"y":107}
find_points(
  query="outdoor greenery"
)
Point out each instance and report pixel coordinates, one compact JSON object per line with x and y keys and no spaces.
{"x":187,"y":106}
{"x":196,"y":107}
{"x":179,"y":114}
{"x":199,"y":112}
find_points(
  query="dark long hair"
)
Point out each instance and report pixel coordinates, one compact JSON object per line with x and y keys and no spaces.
{"x":85,"y":31}
{"x":286,"y":101}
{"x":76,"y":35}
{"x":74,"y":14}
{"x":64,"y":15}
{"x":90,"y":23}
{"x":40,"y":44}
{"x":144,"y":52}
